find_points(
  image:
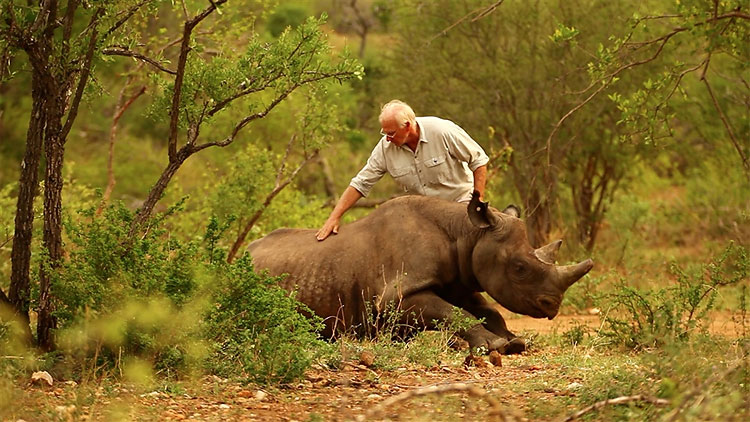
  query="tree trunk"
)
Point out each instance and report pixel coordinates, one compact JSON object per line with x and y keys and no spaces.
{"x":157,"y":191}
{"x":54,"y":149}
{"x":19,"y":294}
{"x":538,"y":220}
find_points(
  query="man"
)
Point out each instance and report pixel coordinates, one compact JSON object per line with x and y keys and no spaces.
{"x":425,"y":155}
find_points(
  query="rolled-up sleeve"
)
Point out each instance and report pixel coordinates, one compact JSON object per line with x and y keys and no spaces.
{"x":461,"y":146}
{"x":371,"y":172}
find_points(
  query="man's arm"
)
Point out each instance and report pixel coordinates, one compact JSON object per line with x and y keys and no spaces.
{"x":348,"y":198}
{"x":480,"y":180}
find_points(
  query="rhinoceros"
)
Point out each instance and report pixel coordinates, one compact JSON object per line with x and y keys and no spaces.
{"x":428,"y":256}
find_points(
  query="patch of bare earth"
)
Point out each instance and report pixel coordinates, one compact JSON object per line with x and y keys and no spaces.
{"x":723,"y":323}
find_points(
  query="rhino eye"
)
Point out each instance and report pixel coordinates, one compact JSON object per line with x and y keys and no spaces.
{"x":520,"y":269}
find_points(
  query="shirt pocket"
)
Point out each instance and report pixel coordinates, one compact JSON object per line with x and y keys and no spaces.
{"x":404,"y":177}
{"x":436,"y":169}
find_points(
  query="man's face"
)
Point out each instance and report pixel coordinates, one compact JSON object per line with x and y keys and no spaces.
{"x":393,"y":133}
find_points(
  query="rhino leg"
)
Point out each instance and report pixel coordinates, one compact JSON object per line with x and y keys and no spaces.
{"x":493,"y":321}
{"x":426,"y":307}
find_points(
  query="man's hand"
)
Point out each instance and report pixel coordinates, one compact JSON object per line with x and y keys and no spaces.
{"x":331,"y":226}
{"x":348,"y":198}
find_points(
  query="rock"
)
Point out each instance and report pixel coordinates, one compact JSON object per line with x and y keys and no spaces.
{"x":42,"y":377}
{"x":477,"y":361}
{"x":574,"y":386}
{"x":260,"y":395}
{"x":245,"y":394}
{"x":367,"y":358}
{"x":496,"y":358}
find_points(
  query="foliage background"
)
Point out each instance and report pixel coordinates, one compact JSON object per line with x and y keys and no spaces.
{"x":646,"y":176}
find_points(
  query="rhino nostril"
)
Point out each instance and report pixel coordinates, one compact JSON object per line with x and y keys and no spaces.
{"x":547,"y":303}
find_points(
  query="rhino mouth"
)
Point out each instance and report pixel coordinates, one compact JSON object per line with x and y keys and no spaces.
{"x":547,"y":306}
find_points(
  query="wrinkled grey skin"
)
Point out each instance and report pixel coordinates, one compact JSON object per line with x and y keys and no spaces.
{"x":426,"y":255}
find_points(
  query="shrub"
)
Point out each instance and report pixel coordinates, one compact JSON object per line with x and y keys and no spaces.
{"x":255,"y":326}
{"x":643,"y":318}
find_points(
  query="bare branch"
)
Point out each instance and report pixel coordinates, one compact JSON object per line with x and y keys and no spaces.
{"x":118,"y":51}
{"x":491,"y":8}
{"x":119,"y":110}
{"x":83,"y":79}
{"x":279,"y":185}
{"x":604,"y":83}
{"x":728,"y":126}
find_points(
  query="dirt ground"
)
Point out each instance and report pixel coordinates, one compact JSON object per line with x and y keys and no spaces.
{"x":721,"y":323}
{"x":355,"y":392}
{"x":350,"y":394}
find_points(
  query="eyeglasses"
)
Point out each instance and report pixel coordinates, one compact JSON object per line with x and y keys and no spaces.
{"x":389,"y":134}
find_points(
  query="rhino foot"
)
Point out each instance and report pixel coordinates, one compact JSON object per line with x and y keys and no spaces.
{"x":513,"y":346}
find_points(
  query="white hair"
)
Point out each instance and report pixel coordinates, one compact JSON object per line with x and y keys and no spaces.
{"x":399,"y":111}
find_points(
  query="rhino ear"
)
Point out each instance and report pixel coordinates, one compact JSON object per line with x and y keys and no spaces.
{"x":513,"y":211}
{"x":479,"y":213}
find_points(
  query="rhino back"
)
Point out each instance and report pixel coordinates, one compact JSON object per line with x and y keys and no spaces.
{"x":395,"y":242}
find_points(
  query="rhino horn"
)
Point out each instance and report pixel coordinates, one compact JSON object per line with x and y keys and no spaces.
{"x":548,"y":253}
{"x":480,"y":214}
{"x":569,"y":274}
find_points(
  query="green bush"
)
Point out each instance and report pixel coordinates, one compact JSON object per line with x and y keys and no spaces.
{"x":255,"y":327}
{"x":644,"y":318}
{"x":106,"y":268}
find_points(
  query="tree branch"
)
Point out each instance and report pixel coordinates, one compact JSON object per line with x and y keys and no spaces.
{"x":119,"y":51}
{"x":83,"y":79}
{"x":259,"y":115}
{"x":68,"y":26}
{"x":223,"y":103}
{"x":279,"y":185}
{"x":119,"y":111}
{"x":728,"y":126}
{"x":605,"y":82}
{"x":124,"y":19}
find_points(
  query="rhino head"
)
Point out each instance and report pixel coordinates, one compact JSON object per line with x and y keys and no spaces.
{"x":522,"y":279}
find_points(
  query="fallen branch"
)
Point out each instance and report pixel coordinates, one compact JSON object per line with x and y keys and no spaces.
{"x":495,"y":413}
{"x":617,"y":400}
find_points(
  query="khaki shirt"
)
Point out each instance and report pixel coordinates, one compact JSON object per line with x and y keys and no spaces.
{"x":442,"y":165}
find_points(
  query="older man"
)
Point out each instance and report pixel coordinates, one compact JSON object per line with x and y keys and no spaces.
{"x":425,"y":155}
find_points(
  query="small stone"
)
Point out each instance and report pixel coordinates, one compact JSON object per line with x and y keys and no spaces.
{"x":260,"y":395}
{"x":42,"y":377}
{"x":245,"y":394}
{"x":224,"y":406}
{"x":496,"y":358}
{"x":473,"y":360}
{"x":374,"y":397}
{"x":367,"y":358}
{"x":574,"y":386}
